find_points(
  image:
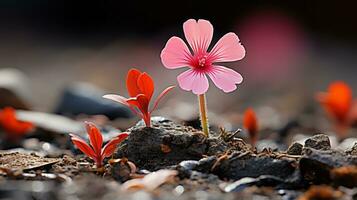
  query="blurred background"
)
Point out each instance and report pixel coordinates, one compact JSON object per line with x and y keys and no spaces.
{"x":294,"y":49}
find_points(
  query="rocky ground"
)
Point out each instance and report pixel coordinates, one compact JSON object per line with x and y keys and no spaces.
{"x":173,"y":161}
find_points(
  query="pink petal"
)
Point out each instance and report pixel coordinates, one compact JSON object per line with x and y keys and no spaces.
{"x":193,"y":80}
{"x":228,"y":49}
{"x":175,"y":54}
{"x":225,"y":78}
{"x":198,"y":34}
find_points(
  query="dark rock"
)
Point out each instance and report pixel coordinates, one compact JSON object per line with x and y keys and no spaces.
{"x":121,"y":170}
{"x":266,"y":181}
{"x":167,"y":144}
{"x":319,"y":142}
{"x":238,"y":166}
{"x":189,"y":164}
{"x":83,"y":98}
{"x":144,"y":145}
{"x":295,"y":149}
{"x":315,"y":165}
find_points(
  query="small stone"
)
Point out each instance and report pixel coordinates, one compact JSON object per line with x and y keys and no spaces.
{"x":353,"y":150}
{"x":295,"y":149}
{"x":319,"y":142}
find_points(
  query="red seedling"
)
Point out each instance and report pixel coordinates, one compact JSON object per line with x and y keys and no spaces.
{"x":140,"y":88}
{"x":250,"y":123}
{"x":95,"y":150}
{"x":337,"y":102}
{"x":12,"y":126}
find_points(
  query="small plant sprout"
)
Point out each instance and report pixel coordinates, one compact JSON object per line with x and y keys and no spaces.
{"x":95,"y":150}
{"x":250,"y":123}
{"x":141,"y":89}
{"x":337,"y":102}
{"x":12,"y":126}
{"x":202,"y":62}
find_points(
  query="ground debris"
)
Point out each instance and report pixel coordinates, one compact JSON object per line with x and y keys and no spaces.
{"x":21,"y":161}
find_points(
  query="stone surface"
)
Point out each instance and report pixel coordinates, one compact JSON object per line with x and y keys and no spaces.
{"x":238,"y":166}
{"x":353,"y":150}
{"x":319,"y":142}
{"x":315,"y":165}
{"x":295,"y":149}
{"x":167,"y":143}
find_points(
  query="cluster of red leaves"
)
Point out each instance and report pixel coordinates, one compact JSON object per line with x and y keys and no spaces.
{"x":338,"y":103}
{"x":12,"y":126}
{"x":250,"y":123}
{"x":140,"y":87}
{"x":95,"y":150}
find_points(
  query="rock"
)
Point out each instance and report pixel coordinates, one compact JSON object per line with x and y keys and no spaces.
{"x":319,"y":142}
{"x":238,"y":166}
{"x":122,"y":169}
{"x":167,"y":143}
{"x":261,"y":181}
{"x":315,"y":165}
{"x":144,"y":145}
{"x":353,"y":150}
{"x":295,"y":149}
{"x":83,"y":98}
{"x":14,"y":89}
{"x":189,"y":164}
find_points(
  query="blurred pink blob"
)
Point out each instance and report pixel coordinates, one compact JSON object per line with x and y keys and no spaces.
{"x":275,"y":45}
{"x":202,"y":62}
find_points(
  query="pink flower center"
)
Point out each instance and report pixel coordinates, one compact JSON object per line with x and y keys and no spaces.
{"x":201,"y":62}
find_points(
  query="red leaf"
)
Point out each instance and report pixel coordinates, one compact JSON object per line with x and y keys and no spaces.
{"x":95,"y":137}
{"x":141,"y":102}
{"x":163,"y":93}
{"x":10,"y":123}
{"x":83,"y":146}
{"x":110,"y":147}
{"x":132,"y":82}
{"x":146,"y":85}
{"x":337,"y":101}
{"x":250,"y":122}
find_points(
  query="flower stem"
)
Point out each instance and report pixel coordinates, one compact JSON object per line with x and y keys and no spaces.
{"x":203,"y":114}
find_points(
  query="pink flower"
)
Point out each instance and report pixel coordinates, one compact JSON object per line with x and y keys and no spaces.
{"x":202,"y":62}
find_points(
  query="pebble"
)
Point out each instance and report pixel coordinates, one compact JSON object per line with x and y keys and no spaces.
{"x":318,"y":142}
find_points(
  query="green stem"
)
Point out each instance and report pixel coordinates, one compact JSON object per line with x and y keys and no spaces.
{"x":203,"y":114}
